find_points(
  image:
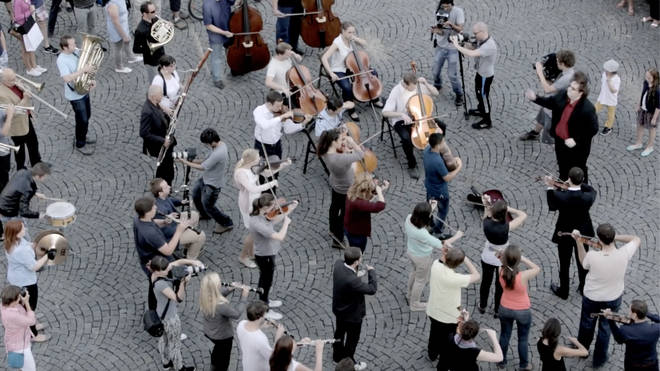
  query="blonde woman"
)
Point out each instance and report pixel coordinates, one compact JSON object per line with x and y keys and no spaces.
{"x":218,"y":314}
{"x":364,"y":197}
{"x":249,"y":189}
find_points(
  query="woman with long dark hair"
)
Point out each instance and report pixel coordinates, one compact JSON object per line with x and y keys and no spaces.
{"x":168,"y":79}
{"x":282,"y":357}
{"x":339,"y":151}
{"x":515,"y":304}
{"x":648,"y":110}
{"x":22,"y":267}
{"x":552,"y":354}
{"x":496,"y":229}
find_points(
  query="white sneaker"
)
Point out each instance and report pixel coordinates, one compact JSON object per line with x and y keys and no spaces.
{"x":360,"y":366}
{"x":123,"y":70}
{"x":183,"y":336}
{"x":274,"y":316}
{"x":33,"y":72}
{"x":274,"y":303}
{"x":40,"y":69}
{"x":137,"y":58}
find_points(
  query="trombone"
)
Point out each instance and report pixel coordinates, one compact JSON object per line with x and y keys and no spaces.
{"x":38,"y":87}
{"x":19,"y":110}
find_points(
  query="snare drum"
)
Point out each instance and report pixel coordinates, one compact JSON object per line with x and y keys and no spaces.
{"x":61,"y":214}
{"x":48,"y":240}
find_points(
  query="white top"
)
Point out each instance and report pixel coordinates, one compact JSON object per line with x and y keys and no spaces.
{"x":326,"y":122}
{"x":488,"y":253}
{"x":605,"y":279}
{"x":337,"y":59}
{"x":644,"y":102}
{"x":606,"y":97}
{"x":255,"y":349}
{"x":268,"y":128}
{"x":277,"y":71}
{"x":398,"y":99}
{"x":445,"y":293}
{"x":173,"y":87}
{"x":292,"y":365}
{"x":248,"y":191}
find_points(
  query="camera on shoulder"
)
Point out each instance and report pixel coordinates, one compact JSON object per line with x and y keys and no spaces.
{"x":187,"y":154}
{"x":441,"y":18}
{"x":550,"y":68}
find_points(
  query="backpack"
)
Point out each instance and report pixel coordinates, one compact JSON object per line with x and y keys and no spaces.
{"x":153,"y":323}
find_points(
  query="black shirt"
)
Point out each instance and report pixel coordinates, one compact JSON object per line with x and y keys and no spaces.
{"x":148,"y":239}
{"x":548,"y":361}
{"x":140,"y":46}
{"x":461,"y":359}
{"x":496,"y":232}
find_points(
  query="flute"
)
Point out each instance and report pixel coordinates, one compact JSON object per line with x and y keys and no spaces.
{"x":177,"y":221}
{"x":276,"y":325}
{"x":258,"y":290}
{"x":324,"y":341}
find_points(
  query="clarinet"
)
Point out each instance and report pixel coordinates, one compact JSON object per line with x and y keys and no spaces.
{"x":258,"y":290}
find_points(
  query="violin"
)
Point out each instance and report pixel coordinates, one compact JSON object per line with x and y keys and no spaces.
{"x":586,"y":240}
{"x":420,"y":108}
{"x":310,"y":99}
{"x":320,"y":29}
{"x":281,"y":209}
{"x":369,"y":162}
{"x":298,"y":114}
{"x":366,"y":86}
{"x":248,"y":51}
{"x":616,"y":317}
{"x":557,"y":183}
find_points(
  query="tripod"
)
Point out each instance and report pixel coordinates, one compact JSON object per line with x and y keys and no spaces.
{"x":185,"y":204}
{"x":465,"y":96}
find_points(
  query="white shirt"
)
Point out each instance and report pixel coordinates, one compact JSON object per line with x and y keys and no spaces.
{"x":173,"y":87}
{"x":337,"y":59}
{"x":255,"y":349}
{"x":248,"y":191}
{"x":326,"y":122}
{"x":606,"y":97}
{"x":277,"y":70}
{"x":268,"y":128}
{"x":398,"y":99}
{"x":607,"y":270}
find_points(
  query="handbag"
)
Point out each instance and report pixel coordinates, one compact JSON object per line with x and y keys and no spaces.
{"x":26,"y":26}
{"x":16,"y":359}
{"x":153,"y":323}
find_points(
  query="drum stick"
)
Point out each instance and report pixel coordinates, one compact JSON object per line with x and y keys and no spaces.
{"x":41,"y":196}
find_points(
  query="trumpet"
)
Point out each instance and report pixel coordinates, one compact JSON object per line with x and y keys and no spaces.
{"x":19,"y":110}
{"x":313,"y":342}
{"x":240,"y":286}
{"x":4,"y":146}
{"x":38,"y":87}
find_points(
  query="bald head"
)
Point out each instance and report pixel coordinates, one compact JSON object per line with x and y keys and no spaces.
{"x":480,"y":30}
{"x":155,"y":94}
{"x":8,"y":77}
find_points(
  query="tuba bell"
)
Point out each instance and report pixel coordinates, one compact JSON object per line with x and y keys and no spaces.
{"x":92,"y":53}
{"x":163,"y":32}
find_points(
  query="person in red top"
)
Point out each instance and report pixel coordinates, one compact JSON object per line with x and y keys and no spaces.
{"x":364,"y":197}
{"x":574,"y":123}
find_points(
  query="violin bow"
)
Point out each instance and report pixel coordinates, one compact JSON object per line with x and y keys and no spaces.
{"x":277,"y":202}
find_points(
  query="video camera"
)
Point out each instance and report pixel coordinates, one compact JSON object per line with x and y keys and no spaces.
{"x":550,"y":69}
{"x":179,"y":272}
{"x":441,"y":17}
{"x":187,"y":154}
{"x":466,"y":39}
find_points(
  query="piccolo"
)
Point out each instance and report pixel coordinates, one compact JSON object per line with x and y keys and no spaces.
{"x":276,"y":325}
{"x":313,"y":342}
{"x":177,"y":221}
{"x":258,"y":290}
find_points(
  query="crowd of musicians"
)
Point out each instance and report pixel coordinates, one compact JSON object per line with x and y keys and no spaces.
{"x":169,"y":239}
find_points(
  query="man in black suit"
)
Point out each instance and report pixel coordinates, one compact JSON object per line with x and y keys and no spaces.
{"x":573,"y":205}
{"x":154,"y":124}
{"x":348,"y":305}
{"x":574,"y":123}
{"x":143,"y":37}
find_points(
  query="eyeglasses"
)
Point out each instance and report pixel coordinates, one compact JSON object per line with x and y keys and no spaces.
{"x":152,"y":12}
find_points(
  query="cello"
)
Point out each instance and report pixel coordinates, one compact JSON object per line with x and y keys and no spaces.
{"x":366,"y":86}
{"x":311,"y":100}
{"x":369,"y":162}
{"x":248,"y":51}
{"x":319,"y":29}
{"x":420,"y":108}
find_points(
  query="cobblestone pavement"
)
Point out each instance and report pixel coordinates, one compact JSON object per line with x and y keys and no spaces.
{"x":94,"y":302}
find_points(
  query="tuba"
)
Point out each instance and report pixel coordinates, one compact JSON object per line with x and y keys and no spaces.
{"x":92,"y":53}
{"x":163,"y":32}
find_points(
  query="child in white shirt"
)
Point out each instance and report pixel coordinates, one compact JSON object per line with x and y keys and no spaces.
{"x":609,"y":92}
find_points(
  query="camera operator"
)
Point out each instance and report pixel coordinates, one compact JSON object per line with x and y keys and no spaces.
{"x":485,"y":55}
{"x":166,"y":307}
{"x":450,"y":20}
{"x":206,"y":190}
{"x":565,"y":62}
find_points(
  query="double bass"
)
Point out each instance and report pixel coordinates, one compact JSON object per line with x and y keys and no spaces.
{"x":319,"y":29}
{"x":366,"y":86}
{"x":420,"y":108}
{"x":248,"y":52}
{"x":311,"y":100}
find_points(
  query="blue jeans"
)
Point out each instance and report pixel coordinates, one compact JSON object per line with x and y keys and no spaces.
{"x":451,"y":56}
{"x":442,"y":210}
{"x":588,"y":327}
{"x":204,"y":197}
{"x":356,"y":241}
{"x":83,"y":110}
{"x":523,"y":319}
{"x":288,"y":28}
{"x":217,"y":60}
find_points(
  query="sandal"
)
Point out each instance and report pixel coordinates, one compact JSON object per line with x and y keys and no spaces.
{"x":354,"y":116}
{"x":655,"y":24}
{"x":646,"y":19}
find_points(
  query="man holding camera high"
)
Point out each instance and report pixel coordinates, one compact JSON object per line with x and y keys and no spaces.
{"x":484,"y":55}
{"x":450,"y":20}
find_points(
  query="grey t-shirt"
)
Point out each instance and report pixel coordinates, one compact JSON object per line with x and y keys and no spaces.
{"x":341,"y":172}
{"x":161,"y":299}
{"x":564,"y":79}
{"x":485,"y":64}
{"x":215,"y":166}
{"x":457,"y":17}
{"x":261,"y":229}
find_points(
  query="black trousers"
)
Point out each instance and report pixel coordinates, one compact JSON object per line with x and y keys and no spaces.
{"x":166,"y":168}
{"x":438,"y":337}
{"x":566,"y":247}
{"x":654,"y":9}
{"x":489,"y":272}
{"x":151,"y":297}
{"x":30,"y":141}
{"x":5,"y":166}
{"x":482,"y":90}
{"x":348,"y":334}
{"x":406,"y":143}
{"x":568,"y":158}
{"x":266,"y":266}
{"x":52,"y":16}
{"x":33,"y":290}
{"x":336,"y":216}
{"x":221,"y":353}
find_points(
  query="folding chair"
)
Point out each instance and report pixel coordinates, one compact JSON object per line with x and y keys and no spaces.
{"x":311,"y":147}
{"x":383,"y":123}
